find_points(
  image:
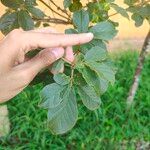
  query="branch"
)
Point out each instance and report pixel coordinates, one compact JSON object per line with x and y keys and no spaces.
{"x":53,"y":20}
{"x":138,"y":71}
{"x":59,"y":8}
{"x":53,"y":10}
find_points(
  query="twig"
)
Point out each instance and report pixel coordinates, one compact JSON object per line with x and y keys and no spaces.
{"x":138,"y":71}
{"x":53,"y":20}
{"x":53,"y":10}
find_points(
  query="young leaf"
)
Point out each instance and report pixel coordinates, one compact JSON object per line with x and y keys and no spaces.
{"x":35,"y":12}
{"x":61,"y":79}
{"x":51,"y":95}
{"x":25,"y":20}
{"x":120,"y":10}
{"x":89,"y":97}
{"x":96,"y":54}
{"x":63,"y":117}
{"x":103,"y":30}
{"x":81,"y":20}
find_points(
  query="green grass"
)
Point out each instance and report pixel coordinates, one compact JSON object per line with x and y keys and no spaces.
{"x":109,"y":128}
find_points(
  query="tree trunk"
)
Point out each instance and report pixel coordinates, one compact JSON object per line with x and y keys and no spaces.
{"x":138,"y":71}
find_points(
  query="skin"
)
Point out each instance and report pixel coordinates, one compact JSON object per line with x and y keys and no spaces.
{"x":17,"y":71}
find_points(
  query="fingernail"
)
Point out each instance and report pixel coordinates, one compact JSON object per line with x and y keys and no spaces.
{"x":90,"y":35}
{"x":58,"y":52}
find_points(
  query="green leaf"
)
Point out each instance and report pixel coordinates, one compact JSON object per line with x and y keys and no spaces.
{"x":71,"y":31}
{"x":61,"y":79}
{"x":57,"y":66}
{"x":89,"y":97}
{"x":12,"y":3}
{"x":63,"y":117}
{"x":90,"y":78}
{"x":67,"y":3}
{"x":81,"y":20}
{"x":144,"y":11}
{"x":25,"y":20}
{"x":103,"y":30}
{"x":30,"y":2}
{"x":36,"y":12}
{"x":130,"y":2}
{"x":100,"y":85}
{"x":8,"y":22}
{"x":120,"y":10}
{"x":102,"y":70}
{"x":95,"y":42}
{"x":96,"y":54}
{"x":138,"y":19}
{"x":51,"y":95}
{"x":103,"y":85}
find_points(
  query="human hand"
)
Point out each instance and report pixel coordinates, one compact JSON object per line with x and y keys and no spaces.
{"x":16,"y":72}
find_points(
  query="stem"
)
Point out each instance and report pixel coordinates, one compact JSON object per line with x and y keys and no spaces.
{"x":42,"y":1}
{"x":138,"y":71}
{"x":72,"y":75}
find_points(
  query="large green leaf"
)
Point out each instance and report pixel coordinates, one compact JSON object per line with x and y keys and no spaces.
{"x":8,"y":22}
{"x":103,"y":30}
{"x":12,"y":3}
{"x":81,"y":20}
{"x":63,"y":117}
{"x":89,"y":97}
{"x":96,"y":54}
{"x":51,"y":95}
{"x":100,"y":85}
{"x":36,"y":12}
{"x":103,"y":70}
{"x":25,"y":20}
{"x":61,"y":79}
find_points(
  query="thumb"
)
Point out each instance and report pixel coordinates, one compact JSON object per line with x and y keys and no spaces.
{"x":43,"y":59}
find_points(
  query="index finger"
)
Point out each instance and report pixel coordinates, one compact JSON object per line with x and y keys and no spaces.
{"x":45,"y":40}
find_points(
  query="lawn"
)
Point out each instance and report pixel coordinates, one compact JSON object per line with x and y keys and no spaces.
{"x":110,"y":127}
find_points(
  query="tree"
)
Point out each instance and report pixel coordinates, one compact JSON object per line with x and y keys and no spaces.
{"x":89,"y":76}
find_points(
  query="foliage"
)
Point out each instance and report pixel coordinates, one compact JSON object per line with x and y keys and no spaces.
{"x":109,"y":127}
{"x":89,"y":76}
